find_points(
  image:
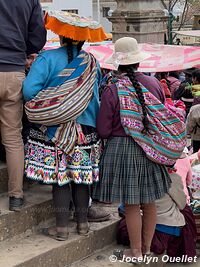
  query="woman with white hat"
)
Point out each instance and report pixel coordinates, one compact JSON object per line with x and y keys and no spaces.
{"x":127,"y":175}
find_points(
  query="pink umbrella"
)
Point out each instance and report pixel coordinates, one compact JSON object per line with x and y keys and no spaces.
{"x":51,"y":45}
{"x":162,"y":57}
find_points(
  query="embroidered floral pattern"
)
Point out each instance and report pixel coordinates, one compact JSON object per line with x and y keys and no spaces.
{"x":44,"y":163}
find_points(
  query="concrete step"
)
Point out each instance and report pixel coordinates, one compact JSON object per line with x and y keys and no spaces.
{"x":3,"y":177}
{"x":41,"y":251}
{"x":105,"y":258}
{"x":37,"y":208}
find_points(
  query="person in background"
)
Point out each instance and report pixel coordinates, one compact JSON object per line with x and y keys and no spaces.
{"x":181,"y":76}
{"x":174,"y":82}
{"x":183,"y":168}
{"x":22,"y":33}
{"x":165,"y":85}
{"x":195,"y":81}
{"x":29,"y":61}
{"x":183,"y":92}
{"x":171,"y":79}
{"x":175,"y":232}
{"x":193,"y":119}
{"x":127,"y":175}
{"x":193,"y":126}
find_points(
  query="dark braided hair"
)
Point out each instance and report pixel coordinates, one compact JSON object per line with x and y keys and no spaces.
{"x":130,"y":71}
{"x":69,"y":47}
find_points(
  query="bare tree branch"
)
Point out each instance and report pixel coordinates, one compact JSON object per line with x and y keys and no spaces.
{"x":173,"y":4}
{"x":183,"y":18}
{"x":165,"y":6}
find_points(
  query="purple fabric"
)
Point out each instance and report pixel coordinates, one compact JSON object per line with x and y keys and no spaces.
{"x":152,"y":84}
{"x":108,"y":121}
{"x":173,"y":245}
{"x":196,"y":101}
{"x":174,"y":84}
{"x":177,"y":246}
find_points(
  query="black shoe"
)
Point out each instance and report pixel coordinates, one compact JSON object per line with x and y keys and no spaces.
{"x":15,"y":204}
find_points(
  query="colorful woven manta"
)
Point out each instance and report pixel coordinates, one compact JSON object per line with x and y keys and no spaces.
{"x":166,"y":135}
{"x":61,"y":105}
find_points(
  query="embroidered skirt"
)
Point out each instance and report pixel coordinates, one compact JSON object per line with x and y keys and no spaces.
{"x":128,"y":176}
{"x":46,"y":164}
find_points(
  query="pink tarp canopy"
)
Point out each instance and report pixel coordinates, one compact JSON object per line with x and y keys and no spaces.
{"x":162,"y":57}
{"x":51,"y":45}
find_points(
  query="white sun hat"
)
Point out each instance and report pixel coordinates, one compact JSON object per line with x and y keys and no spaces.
{"x":127,"y":52}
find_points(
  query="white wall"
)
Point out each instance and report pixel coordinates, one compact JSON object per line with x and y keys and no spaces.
{"x":83,"y":9}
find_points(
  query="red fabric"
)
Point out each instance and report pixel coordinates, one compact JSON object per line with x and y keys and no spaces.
{"x":165,"y":88}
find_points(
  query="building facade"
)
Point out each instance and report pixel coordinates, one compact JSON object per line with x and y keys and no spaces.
{"x":102,"y":10}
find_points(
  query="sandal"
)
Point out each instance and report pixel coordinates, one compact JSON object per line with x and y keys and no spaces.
{"x":60,"y":236}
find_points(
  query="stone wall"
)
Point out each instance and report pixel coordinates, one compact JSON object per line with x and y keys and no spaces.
{"x":143,"y":20}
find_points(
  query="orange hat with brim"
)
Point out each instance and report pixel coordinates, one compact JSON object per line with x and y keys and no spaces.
{"x":73,"y":26}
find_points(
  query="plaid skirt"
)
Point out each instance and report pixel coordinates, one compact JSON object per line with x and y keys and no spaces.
{"x":128,"y":176}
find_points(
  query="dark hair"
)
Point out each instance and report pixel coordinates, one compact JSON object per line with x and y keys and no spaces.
{"x":130,"y":71}
{"x":69,"y":46}
{"x":174,"y":74}
{"x":196,"y":74}
{"x":161,"y":75}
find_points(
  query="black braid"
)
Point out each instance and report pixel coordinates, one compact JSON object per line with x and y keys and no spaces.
{"x":79,"y":45}
{"x":69,"y":47}
{"x":70,"y":51}
{"x":130,"y":70}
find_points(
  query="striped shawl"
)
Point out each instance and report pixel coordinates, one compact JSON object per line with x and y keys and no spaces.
{"x":63,"y":104}
{"x":166,"y":138}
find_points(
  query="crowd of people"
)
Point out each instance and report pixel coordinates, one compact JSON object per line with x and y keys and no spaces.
{"x":98,"y":136}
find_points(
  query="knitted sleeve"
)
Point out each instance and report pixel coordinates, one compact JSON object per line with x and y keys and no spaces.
{"x":109,"y":100}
